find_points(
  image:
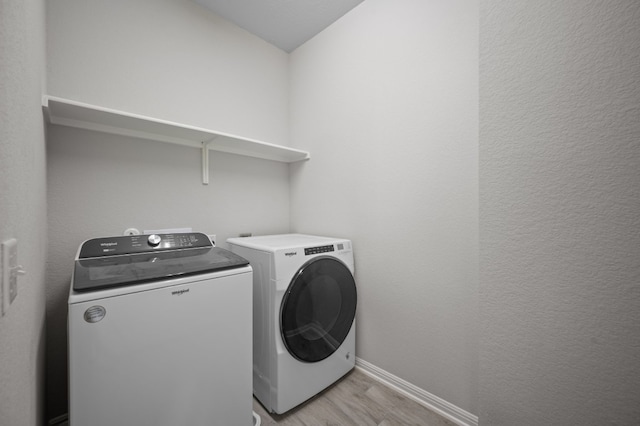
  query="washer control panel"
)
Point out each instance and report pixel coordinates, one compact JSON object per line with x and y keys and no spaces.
{"x":129,"y":244}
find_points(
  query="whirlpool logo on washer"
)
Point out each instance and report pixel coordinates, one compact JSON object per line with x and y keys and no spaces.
{"x":95,"y":314}
{"x":180,"y":292}
{"x":291,"y":253}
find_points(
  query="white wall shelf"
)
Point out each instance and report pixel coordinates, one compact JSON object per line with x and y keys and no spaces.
{"x":65,"y":112}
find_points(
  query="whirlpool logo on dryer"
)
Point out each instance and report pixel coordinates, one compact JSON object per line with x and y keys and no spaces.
{"x":180,"y":292}
{"x":291,"y":253}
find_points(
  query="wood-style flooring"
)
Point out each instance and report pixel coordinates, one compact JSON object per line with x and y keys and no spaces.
{"x":355,"y":400}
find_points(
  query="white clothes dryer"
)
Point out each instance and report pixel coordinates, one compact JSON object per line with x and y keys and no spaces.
{"x":304,"y":307}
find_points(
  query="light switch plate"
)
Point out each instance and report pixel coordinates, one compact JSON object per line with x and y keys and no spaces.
{"x":9,"y":273}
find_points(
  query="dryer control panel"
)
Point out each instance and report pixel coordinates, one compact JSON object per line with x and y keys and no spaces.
{"x":316,"y":250}
{"x":130,"y":244}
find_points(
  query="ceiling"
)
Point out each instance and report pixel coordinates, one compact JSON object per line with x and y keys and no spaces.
{"x":284,"y":23}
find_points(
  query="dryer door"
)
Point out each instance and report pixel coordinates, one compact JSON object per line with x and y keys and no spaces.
{"x":318,"y":309}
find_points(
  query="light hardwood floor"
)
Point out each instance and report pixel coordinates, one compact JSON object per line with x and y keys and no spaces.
{"x":355,"y":400}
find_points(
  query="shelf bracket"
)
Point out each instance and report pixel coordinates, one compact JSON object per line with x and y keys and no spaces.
{"x":205,"y":161}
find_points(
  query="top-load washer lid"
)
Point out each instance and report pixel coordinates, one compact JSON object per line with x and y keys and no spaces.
{"x":119,"y":261}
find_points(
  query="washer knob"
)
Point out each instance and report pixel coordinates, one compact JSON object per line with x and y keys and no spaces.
{"x":154,"y":240}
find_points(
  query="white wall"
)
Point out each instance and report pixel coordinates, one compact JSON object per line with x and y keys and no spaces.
{"x":559,"y":212}
{"x":176,"y":61}
{"x":168,"y":59}
{"x":386,"y":101}
{"x":23,"y":208}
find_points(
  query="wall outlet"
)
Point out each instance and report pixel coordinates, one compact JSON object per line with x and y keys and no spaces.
{"x":131,"y":231}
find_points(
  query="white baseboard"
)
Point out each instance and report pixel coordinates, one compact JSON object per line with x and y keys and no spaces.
{"x":421,"y":396}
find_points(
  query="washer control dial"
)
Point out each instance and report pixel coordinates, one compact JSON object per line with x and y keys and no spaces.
{"x":154,"y":240}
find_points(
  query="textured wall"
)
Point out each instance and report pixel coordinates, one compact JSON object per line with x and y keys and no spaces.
{"x":559,"y":212}
{"x":23,"y":208}
{"x":386,"y":101}
{"x":172,"y":60}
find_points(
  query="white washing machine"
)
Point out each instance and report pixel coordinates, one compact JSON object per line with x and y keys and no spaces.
{"x":304,"y":307}
{"x":159,"y":333}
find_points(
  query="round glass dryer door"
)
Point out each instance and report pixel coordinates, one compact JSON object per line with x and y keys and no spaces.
{"x":318,"y":309}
